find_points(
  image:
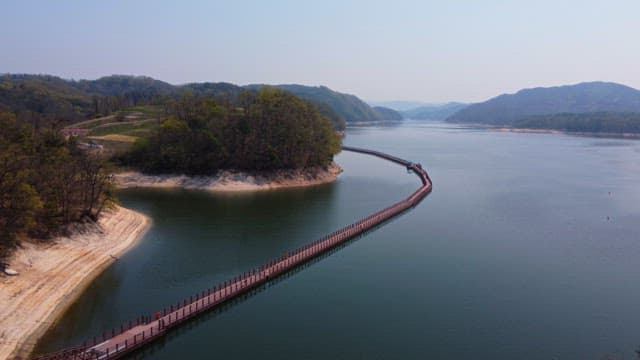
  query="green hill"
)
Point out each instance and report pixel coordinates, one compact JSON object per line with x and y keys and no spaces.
{"x":69,"y":101}
{"x":581,"y":98}
{"x":273,"y":130}
{"x":349,"y":107}
{"x":387,"y":114}
{"x":43,"y":96}
{"x":598,"y":122}
{"x":434,"y":112}
{"x":120,"y":85}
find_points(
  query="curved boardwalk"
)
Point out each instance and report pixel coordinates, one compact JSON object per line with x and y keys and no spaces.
{"x":138,"y":333}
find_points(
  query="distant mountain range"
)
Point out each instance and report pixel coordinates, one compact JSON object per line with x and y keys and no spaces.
{"x":400,"y":105}
{"x":388,"y":114}
{"x":70,"y":100}
{"x":434,"y":112}
{"x":417,"y":110}
{"x":583,"y":98}
{"x":591,"y":106}
{"x":349,"y":107}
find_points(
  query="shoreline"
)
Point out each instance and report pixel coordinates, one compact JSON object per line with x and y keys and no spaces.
{"x":507,"y":129}
{"x":52,"y":276}
{"x":565,"y":132}
{"x":232,"y":181}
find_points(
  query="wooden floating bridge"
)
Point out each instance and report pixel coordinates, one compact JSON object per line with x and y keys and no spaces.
{"x":144,"y":330}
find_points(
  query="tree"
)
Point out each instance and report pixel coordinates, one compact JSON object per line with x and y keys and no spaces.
{"x":272,"y":129}
{"x":19,"y":201}
{"x":46,"y":182}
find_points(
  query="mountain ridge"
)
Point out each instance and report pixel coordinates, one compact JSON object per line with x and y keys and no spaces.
{"x":434,"y":112}
{"x":586,"y":97}
{"x":74,"y":100}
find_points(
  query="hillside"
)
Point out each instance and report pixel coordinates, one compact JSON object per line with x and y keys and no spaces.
{"x":386,"y":114}
{"x":67,"y":101}
{"x":399,"y":105}
{"x":273,"y":130}
{"x":120,"y":85}
{"x":348,"y":107}
{"x":433,"y":112}
{"x":49,"y":97}
{"x":598,"y":122}
{"x":37,"y":98}
{"x":209,"y":89}
{"x":581,"y":98}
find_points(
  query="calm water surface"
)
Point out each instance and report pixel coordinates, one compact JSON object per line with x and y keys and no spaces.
{"x":527,"y":248}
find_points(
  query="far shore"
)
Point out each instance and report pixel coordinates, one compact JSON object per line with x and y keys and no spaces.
{"x":53,"y":275}
{"x":233,"y":181}
{"x":565,"y":132}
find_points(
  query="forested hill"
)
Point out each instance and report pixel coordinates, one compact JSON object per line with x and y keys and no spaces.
{"x":122,"y":85}
{"x":598,"y":122}
{"x":56,"y":99}
{"x":434,"y":112}
{"x":387,"y":114}
{"x":43,"y":96}
{"x":37,"y":98}
{"x":581,"y":98}
{"x":272,"y":130}
{"x":48,"y":180}
{"x":349,"y":107}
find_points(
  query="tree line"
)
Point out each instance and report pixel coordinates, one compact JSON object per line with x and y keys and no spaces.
{"x":265,"y":130}
{"x":597,"y":122}
{"x":46,"y":182}
{"x":44,"y":97}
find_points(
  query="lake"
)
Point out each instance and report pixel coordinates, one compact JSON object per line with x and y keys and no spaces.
{"x":527,"y":248}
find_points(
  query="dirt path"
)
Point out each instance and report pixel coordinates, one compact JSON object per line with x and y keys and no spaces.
{"x":53,"y":276}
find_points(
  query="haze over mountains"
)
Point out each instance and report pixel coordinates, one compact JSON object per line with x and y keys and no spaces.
{"x":434,"y":112}
{"x":417,"y":110}
{"x":589,"y":97}
{"x":400,"y":105}
{"x":349,"y":107}
{"x":590,"y":107}
{"x":611,"y":107}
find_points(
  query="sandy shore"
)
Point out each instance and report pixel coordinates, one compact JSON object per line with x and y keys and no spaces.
{"x":233,"y":180}
{"x":52,"y":276}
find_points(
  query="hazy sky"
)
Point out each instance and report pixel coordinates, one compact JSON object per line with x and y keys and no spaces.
{"x":379,"y":50}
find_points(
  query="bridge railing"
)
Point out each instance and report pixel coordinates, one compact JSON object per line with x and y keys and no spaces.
{"x":184,"y":310}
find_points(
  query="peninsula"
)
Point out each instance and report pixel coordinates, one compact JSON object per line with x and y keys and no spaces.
{"x":53,"y":275}
{"x":60,"y":226}
{"x":591,"y":108}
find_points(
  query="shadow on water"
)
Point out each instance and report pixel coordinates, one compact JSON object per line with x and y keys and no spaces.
{"x":273,"y":212}
{"x":148,"y":352}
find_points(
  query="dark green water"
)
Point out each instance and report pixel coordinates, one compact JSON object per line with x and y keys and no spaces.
{"x":527,"y":248}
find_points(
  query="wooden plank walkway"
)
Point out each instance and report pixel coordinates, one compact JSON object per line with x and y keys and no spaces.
{"x":144,"y":330}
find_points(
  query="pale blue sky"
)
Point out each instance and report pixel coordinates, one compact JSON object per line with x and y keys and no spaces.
{"x":379,"y":50}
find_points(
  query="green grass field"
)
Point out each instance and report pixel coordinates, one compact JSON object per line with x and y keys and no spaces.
{"x":132,"y":128}
{"x":119,"y":131}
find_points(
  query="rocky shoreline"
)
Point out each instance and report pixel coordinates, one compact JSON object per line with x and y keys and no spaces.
{"x":53,"y":275}
{"x":227,"y":180}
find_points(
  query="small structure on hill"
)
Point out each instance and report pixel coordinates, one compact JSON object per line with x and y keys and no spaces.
{"x":74,"y":132}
